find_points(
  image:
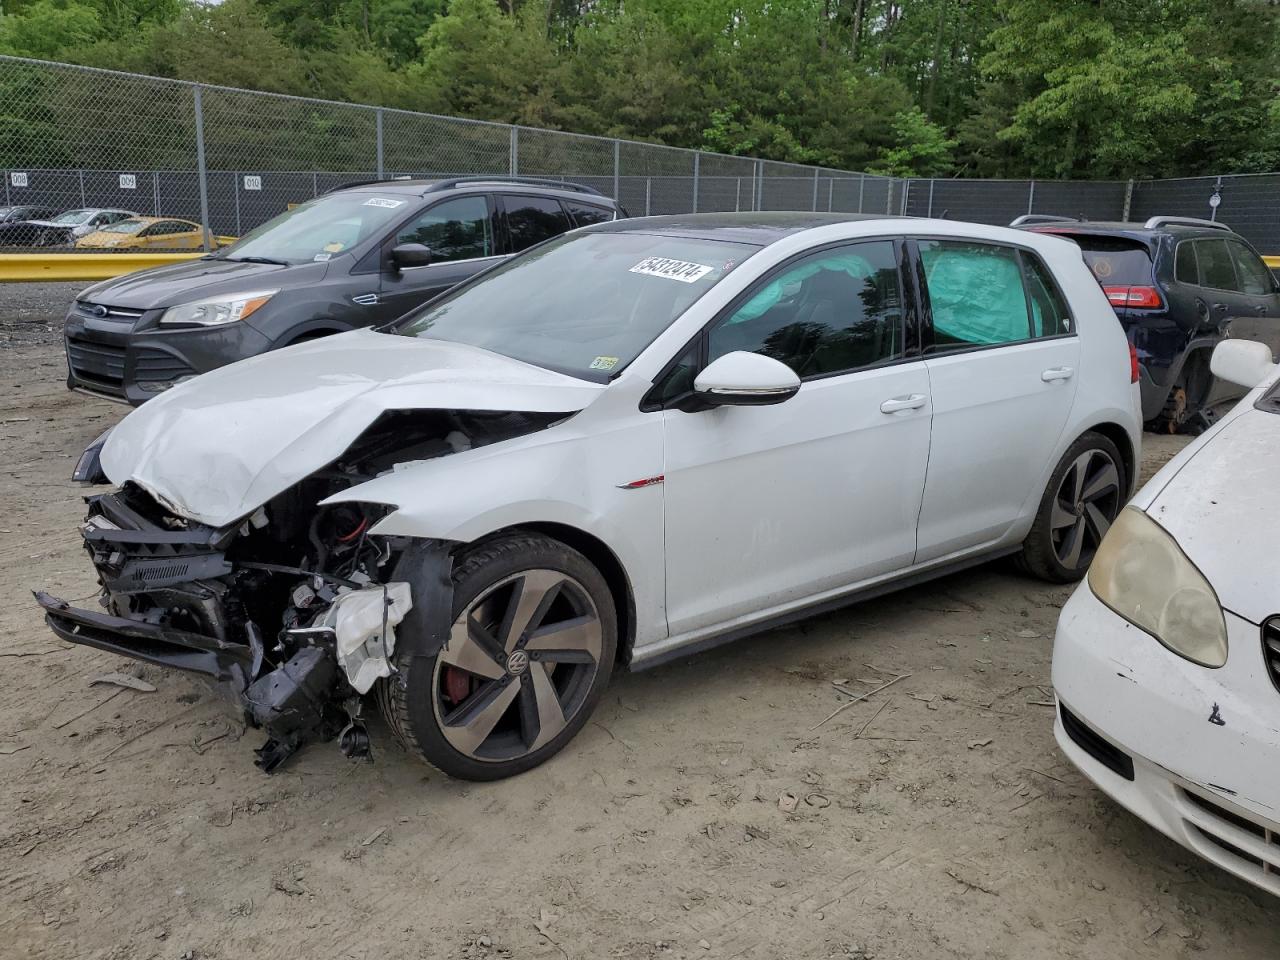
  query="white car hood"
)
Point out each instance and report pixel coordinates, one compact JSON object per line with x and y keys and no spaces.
{"x":220,"y":446}
{"x":1220,"y":507}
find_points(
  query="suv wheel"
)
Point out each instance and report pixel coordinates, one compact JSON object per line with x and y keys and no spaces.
{"x":1084,"y":495}
{"x":530,"y":653}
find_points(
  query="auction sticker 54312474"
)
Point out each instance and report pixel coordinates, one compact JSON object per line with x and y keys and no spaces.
{"x":669,"y":269}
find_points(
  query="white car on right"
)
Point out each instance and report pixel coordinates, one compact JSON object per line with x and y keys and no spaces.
{"x":1166,"y":663}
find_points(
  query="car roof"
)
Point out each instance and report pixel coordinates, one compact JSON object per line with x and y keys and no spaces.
{"x":421,"y":187}
{"x":761,"y":227}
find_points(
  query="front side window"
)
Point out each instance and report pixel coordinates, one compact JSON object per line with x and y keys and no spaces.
{"x":457,"y":229}
{"x":531,"y":220}
{"x":1216,"y":269}
{"x":827,"y":313}
{"x":976,"y":294}
{"x":1255,"y":278}
{"x":584,"y":304}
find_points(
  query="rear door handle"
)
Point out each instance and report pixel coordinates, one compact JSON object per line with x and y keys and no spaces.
{"x":1056,"y":373}
{"x":912,"y":402}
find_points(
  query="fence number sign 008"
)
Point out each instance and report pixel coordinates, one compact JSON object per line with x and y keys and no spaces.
{"x":17,"y":179}
{"x":252,"y":183}
{"x":128,"y":181}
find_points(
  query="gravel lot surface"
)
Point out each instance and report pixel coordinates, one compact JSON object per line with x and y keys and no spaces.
{"x":935,"y":819}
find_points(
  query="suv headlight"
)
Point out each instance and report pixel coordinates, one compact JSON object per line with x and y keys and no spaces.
{"x":216,"y":310}
{"x":1142,"y":574}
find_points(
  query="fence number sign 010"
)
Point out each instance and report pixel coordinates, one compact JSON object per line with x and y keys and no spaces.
{"x":252,"y":182}
{"x":128,"y":181}
{"x":17,"y":179}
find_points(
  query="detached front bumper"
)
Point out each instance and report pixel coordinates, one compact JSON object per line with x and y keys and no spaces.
{"x":1192,"y":751}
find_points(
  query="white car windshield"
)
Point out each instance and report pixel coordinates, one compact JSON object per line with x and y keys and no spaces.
{"x":73,"y":217}
{"x":320,"y":228}
{"x":582,"y":304}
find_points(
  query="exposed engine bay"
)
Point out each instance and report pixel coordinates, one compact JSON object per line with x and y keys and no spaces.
{"x":292,"y":610}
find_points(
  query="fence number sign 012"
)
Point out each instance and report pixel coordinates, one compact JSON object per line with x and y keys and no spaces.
{"x":252,"y":183}
{"x":17,"y":179}
{"x":128,"y":181}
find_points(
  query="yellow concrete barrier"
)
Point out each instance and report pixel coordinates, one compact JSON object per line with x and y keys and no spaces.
{"x":1272,"y":262}
{"x":18,"y":267}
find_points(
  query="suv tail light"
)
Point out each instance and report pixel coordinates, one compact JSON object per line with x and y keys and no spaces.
{"x":1133,"y":364}
{"x":1145,"y":297}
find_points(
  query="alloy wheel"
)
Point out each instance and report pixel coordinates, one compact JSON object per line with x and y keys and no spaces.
{"x":1084,"y":507}
{"x":518,"y":665}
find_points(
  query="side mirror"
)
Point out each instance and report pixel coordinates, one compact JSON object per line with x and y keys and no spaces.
{"x":746,"y":379}
{"x":410,"y":255}
{"x":1244,"y":362}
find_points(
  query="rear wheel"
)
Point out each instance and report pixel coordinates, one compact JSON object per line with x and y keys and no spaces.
{"x":1084,"y":495}
{"x":528,"y":657}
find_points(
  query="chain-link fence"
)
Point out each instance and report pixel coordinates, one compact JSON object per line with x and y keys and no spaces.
{"x":214,"y":162}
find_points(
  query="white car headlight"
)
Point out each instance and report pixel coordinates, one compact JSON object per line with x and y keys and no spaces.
{"x":1142,"y":574}
{"x":216,"y":310}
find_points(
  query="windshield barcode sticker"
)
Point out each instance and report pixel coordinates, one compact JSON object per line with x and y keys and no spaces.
{"x":681,"y":270}
{"x":380,"y":202}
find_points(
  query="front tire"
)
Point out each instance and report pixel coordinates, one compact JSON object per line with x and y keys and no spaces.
{"x":530,"y":653}
{"x":1083,"y":498}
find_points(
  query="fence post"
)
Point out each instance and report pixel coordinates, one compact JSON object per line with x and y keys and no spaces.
{"x":888,"y":200}
{"x":906,"y":197}
{"x":83,"y":202}
{"x":155,"y":190}
{"x":1128,"y":200}
{"x":202,"y":173}
{"x":831,"y":190}
{"x":378,"y":118}
{"x":931,"y":183}
{"x":760,"y":184}
{"x":697,"y":166}
{"x":737,"y":195}
{"x":648,"y":194}
{"x":1031,"y":196}
{"x":315,"y":184}
{"x":617,"y":169}
{"x":235,"y":186}
{"x":815,"y":189}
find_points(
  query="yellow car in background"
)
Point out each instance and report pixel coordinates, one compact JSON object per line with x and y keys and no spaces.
{"x":149,"y":233}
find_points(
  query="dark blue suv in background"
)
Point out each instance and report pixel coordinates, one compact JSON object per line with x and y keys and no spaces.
{"x":1178,"y":285}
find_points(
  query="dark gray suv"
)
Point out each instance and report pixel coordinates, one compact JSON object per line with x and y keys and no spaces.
{"x":358,"y":256}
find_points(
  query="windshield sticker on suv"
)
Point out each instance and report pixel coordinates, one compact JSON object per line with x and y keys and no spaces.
{"x":321,"y":257}
{"x":681,"y":270}
{"x":381,"y":202}
{"x":603,"y":363}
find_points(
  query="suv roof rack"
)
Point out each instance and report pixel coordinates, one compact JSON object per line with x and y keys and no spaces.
{"x":1156,"y":222}
{"x":500,"y":178}
{"x":1027,"y":218}
{"x":365,"y":183}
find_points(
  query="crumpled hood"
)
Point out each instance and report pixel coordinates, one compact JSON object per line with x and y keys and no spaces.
{"x":1220,"y":508}
{"x":218,"y":447}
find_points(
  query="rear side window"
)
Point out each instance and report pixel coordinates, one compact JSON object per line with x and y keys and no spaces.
{"x":585,"y":214}
{"x":1049,"y":315}
{"x":1185,"y":269}
{"x":1216,"y":269}
{"x":1253,"y":274}
{"x":531,"y":220}
{"x":975,"y":293}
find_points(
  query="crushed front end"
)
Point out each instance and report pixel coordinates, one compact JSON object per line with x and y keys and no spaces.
{"x":252,"y":607}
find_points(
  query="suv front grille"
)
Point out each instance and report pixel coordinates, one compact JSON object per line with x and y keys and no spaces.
{"x":87,"y":309}
{"x":98,"y":363}
{"x":1271,"y":648}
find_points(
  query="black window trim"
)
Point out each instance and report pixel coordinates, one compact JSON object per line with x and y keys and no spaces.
{"x":929,"y":349}
{"x":699,"y":341}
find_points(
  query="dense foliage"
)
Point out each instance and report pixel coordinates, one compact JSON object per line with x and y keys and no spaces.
{"x":1046,"y":88}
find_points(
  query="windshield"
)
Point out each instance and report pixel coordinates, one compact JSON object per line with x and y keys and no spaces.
{"x":320,"y":228}
{"x":125,"y":226}
{"x":583,"y":304}
{"x":73,"y":216}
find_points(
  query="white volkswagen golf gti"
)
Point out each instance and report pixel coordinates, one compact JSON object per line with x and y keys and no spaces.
{"x":630,"y":442}
{"x":1166,"y":662}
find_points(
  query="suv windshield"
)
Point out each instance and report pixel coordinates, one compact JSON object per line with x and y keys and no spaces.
{"x":73,"y":217}
{"x":320,"y":228}
{"x":583,"y":304}
{"x":1115,"y":261}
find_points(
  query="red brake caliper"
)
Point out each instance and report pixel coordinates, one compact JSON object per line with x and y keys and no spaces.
{"x":457,"y":685}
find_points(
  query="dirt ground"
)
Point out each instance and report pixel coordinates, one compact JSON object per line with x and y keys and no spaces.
{"x":934,"y":819}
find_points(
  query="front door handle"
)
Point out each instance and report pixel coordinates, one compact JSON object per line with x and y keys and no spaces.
{"x":1056,"y":373}
{"x":913,"y":402}
{"x":1220,"y":307}
{"x":1260,"y":309}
